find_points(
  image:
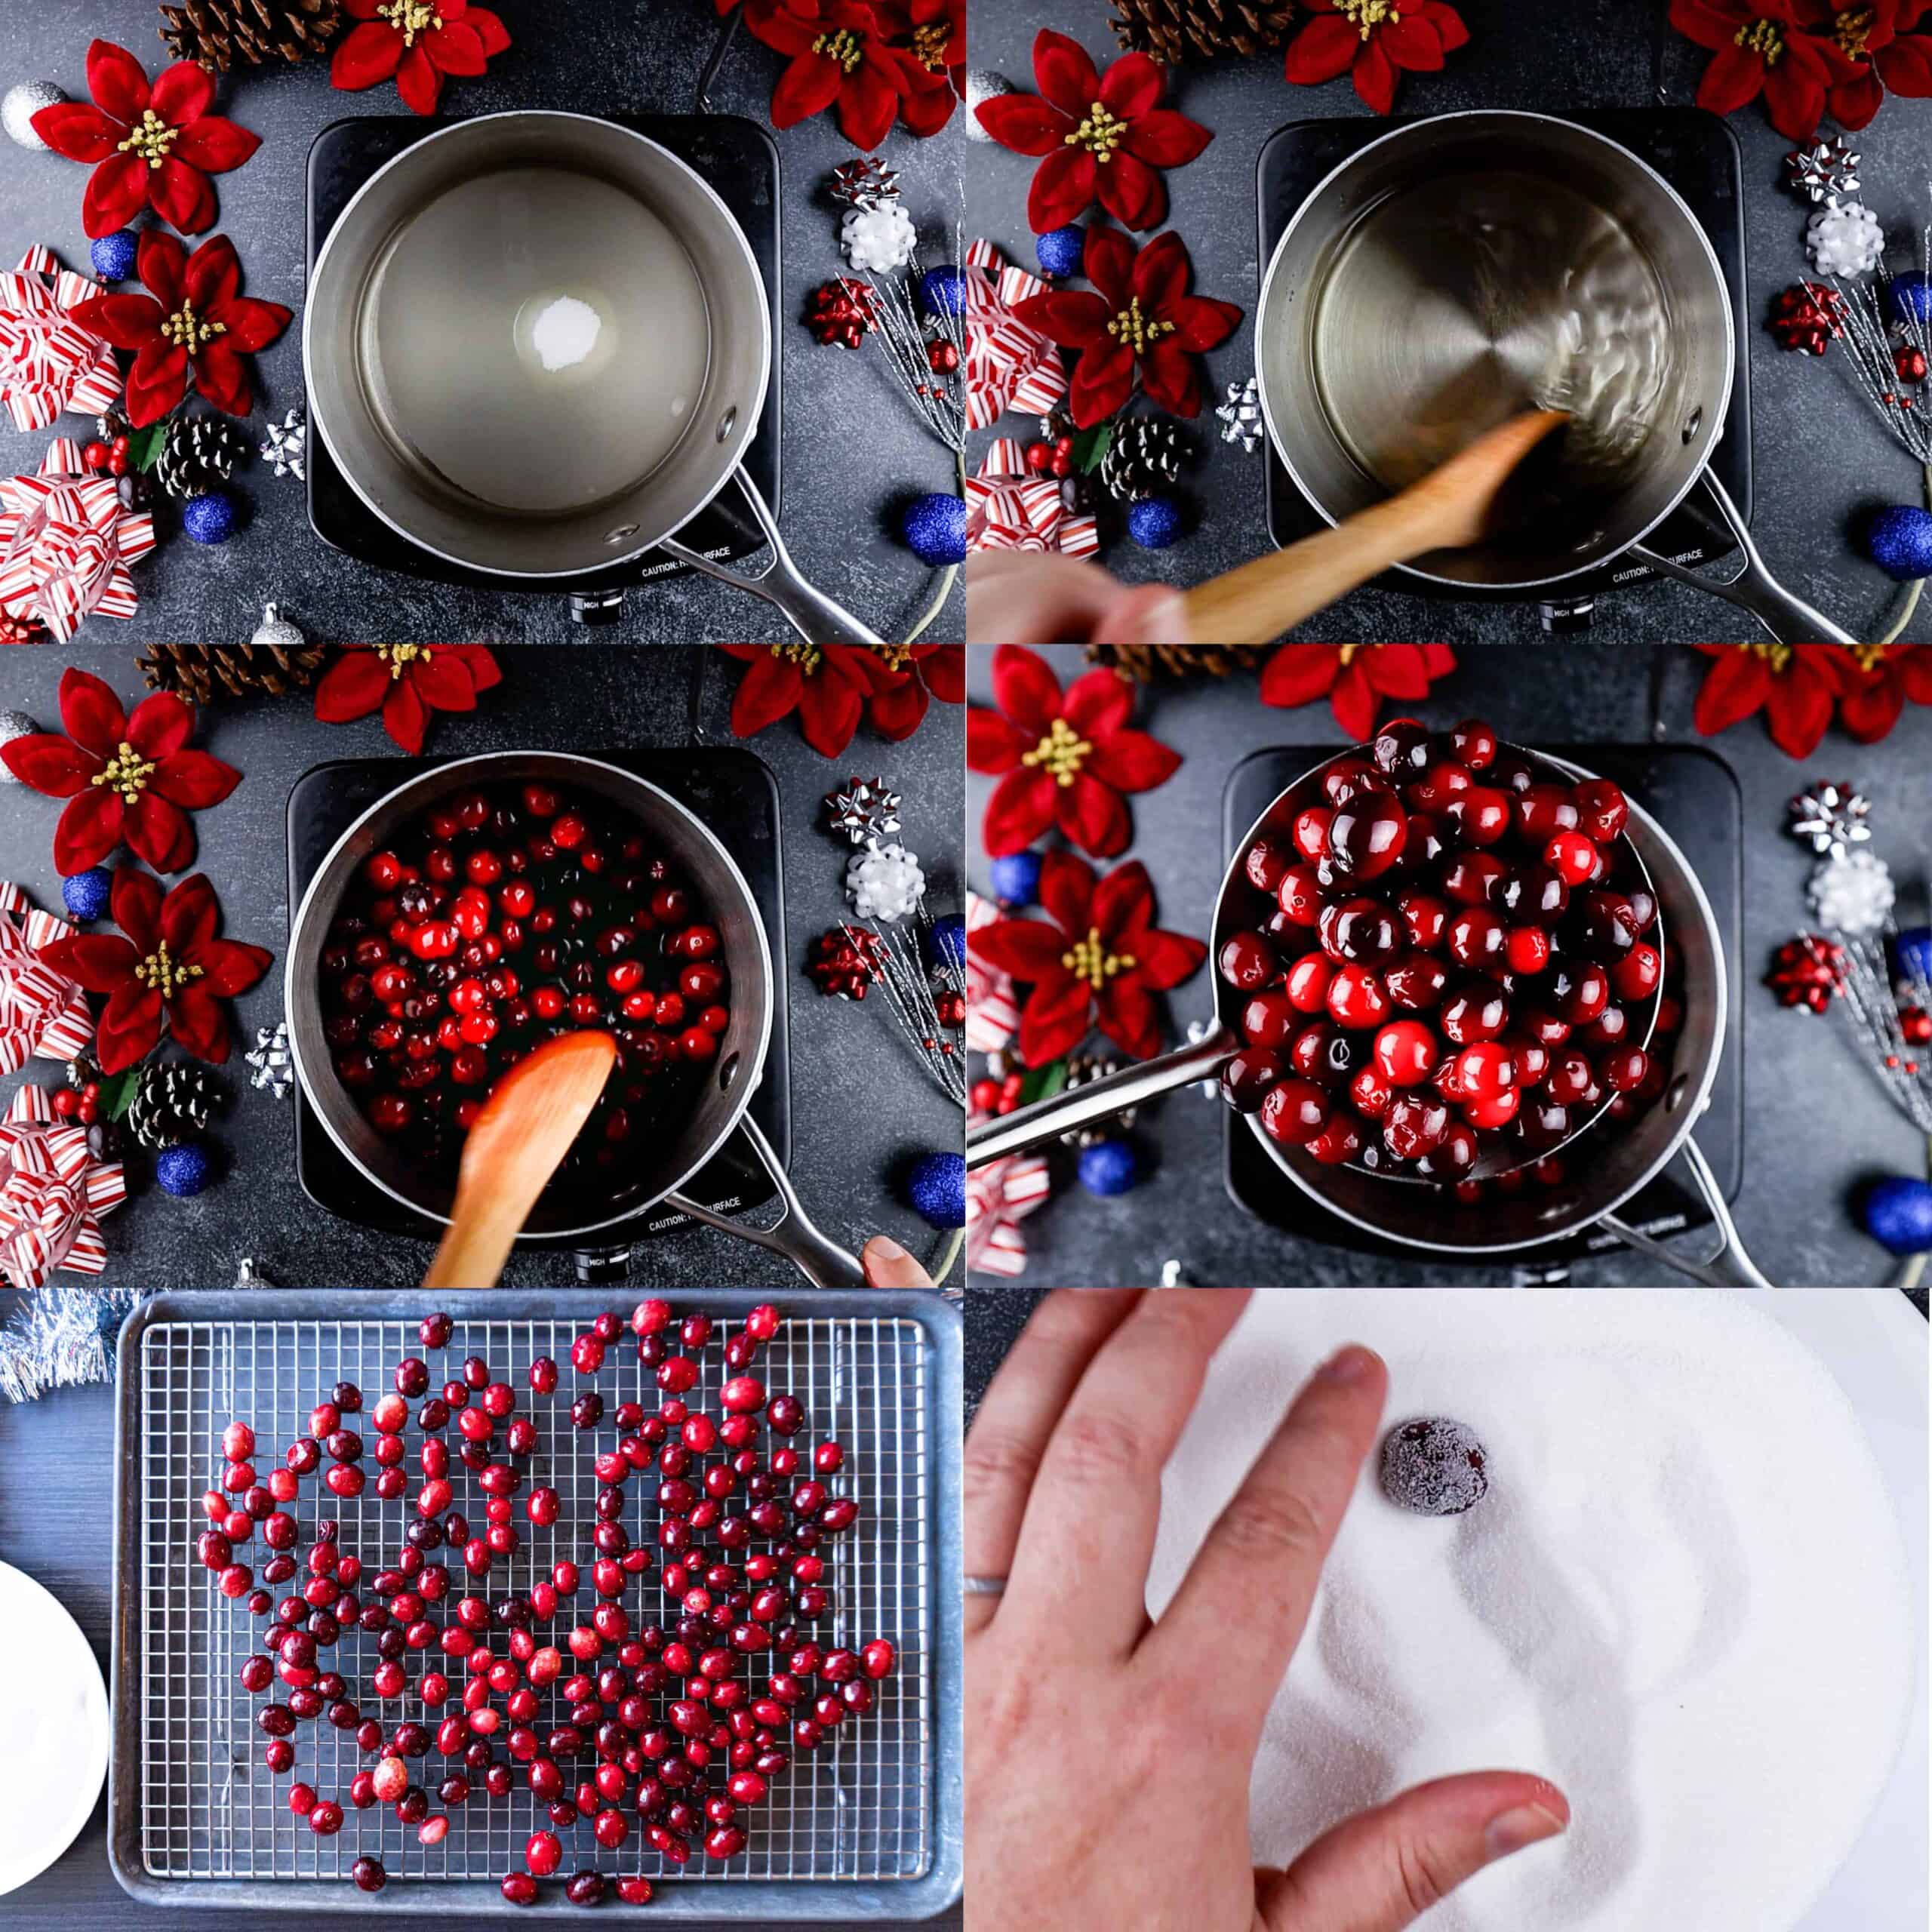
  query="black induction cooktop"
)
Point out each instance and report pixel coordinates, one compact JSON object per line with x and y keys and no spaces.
{"x":734,"y":794}
{"x":1693,"y":795}
{"x":1699,"y":157}
{"x":739,"y":160}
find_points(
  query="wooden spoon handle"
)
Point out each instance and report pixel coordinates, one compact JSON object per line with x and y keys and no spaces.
{"x":474,"y":1250}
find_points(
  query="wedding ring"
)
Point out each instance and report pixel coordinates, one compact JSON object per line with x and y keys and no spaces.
{"x":986,"y":1586}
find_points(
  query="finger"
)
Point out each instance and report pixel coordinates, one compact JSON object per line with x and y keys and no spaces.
{"x":1088,"y":1536}
{"x":888,"y":1266}
{"x":1266,"y":1550}
{"x":1152,"y":613}
{"x":1383,"y":1869}
{"x":1015,"y":1420}
{"x":1016,"y":598}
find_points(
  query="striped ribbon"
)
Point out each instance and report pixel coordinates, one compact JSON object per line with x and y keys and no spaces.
{"x":48,"y":362}
{"x":66,"y":543}
{"x":41,"y":1012}
{"x":992,"y":1013}
{"x":1008,"y":364}
{"x":1009,"y":509}
{"x":999,"y":1197}
{"x":53,"y":1193}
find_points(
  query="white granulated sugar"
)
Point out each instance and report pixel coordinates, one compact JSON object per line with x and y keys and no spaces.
{"x":1683,"y":1599}
{"x":564,"y":332}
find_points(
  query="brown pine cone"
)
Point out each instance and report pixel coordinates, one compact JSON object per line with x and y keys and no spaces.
{"x":222,"y":33}
{"x":1181,"y":31}
{"x":204,"y":673}
{"x":1143,"y":662}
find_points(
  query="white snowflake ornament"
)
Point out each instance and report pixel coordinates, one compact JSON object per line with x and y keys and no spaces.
{"x":884,"y":884}
{"x":1845,"y":241}
{"x":879,"y":239}
{"x":1852,"y":895}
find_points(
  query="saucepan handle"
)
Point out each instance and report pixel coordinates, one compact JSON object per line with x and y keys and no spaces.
{"x":1096,"y":1100}
{"x":794,"y":1234}
{"x":1787,"y":617}
{"x":814,"y":616}
{"x":1731,"y":1267}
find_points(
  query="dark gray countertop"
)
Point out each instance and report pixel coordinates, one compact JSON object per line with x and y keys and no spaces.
{"x":851,"y":448}
{"x":860,"y":1104}
{"x":1816,"y":1124}
{"x":1821,"y":457}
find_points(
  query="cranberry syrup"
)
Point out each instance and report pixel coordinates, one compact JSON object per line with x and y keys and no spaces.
{"x":1452,"y":961}
{"x":495,"y":921}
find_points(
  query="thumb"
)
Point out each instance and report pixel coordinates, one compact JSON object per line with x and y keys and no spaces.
{"x":1151,"y":614}
{"x":888,"y":1266}
{"x":1382,"y":1870}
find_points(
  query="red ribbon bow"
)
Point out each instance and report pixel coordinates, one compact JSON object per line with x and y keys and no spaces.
{"x":41,"y":1012}
{"x":48,"y":362}
{"x":66,"y":543}
{"x":1009,"y":365}
{"x":1009,"y":508}
{"x":999,"y":1197}
{"x":992,"y":1013}
{"x":53,"y":1193}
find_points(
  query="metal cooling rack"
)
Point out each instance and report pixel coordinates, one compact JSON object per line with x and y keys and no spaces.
{"x":866,"y":1826}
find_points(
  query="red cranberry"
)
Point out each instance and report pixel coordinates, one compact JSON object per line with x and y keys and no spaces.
{"x":1401,"y":748}
{"x":1415,"y":1124}
{"x":1405,"y":1053}
{"x":1248,"y":1075}
{"x":1572,"y":858}
{"x":1367,"y":835}
{"x":1416,"y":982}
{"x":1602,"y":811}
{"x":1361,"y":931}
{"x":1294,"y":1112}
{"x":368,"y":1875}
{"x":1248,"y":962}
{"x":1299,"y":896}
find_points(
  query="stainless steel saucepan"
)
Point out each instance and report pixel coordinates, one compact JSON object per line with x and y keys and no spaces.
{"x":1607,"y":1168}
{"x":591,"y":1219}
{"x":1461,"y":269}
{"x":537,"y":345}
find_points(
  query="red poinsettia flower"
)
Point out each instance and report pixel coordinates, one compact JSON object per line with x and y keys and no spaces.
{"x":1099,"y":138}
{"x":932,"y":35}
{"x":1780,"y":49}
{"x":1143,"y":319}
{"x":1097,"y":956}
{"x":171,"y":970}
{"x":153,"y":147}
{"x":1797,"y":686}
{"x":418,"y":42}
{"x":1062,"y":759}
{"x":932,"y":671}
{"x":1373,"y":41}
{"x":827,"y":684}
{"x":1889,"y":45}
{"x":407,"y":682}
{"x":840,"y":57}
{"x":194,"y":318}
{"x":1892,"y":673}
{"x":1354,"y":677}
{"x":124,"y":778}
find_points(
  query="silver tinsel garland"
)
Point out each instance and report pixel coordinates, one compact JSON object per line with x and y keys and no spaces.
{"x":60,"y":1338}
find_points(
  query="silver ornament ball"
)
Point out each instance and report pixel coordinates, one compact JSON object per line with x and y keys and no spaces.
{"x":981,"y":85}
{"x":23,"y":101}
{"x":275,"y":630}
{"x":13,"y":724}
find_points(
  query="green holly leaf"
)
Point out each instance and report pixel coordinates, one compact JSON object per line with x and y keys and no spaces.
{"x":1043,"y":1083}
{"x":1090,"y":447}
{"x":118,"y":1091}
{"x":144,"y":446}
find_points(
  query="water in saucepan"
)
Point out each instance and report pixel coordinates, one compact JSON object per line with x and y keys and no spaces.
{"x":1456,"y":304}
{"x":538,"y":337}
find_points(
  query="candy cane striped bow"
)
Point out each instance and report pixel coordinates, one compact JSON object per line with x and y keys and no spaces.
{"x":41,"y":1011}
{"x":999,"y":1197}
{"x":47,"y":361}
{"x":1008,"y":509}
{"x":53,"y":1193}
{"x":66,"y":543}
{"x":1008,"y":365}
{"x":992,"y":1013}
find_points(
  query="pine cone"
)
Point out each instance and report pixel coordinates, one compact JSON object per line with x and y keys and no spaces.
{"x":1144,"y":458}
{"x":1179,"y":31}
{"x":199,"y":452}
{"x":1143,"y":662}
{"x":204,"y":672}
{"x":172,"y":1104}
{"x":222,"y":33}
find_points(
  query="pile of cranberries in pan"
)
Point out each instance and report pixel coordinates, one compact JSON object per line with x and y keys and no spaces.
{"x":1453,"y":961}
{"x":500,"y":917}
{"x":668,"y":1725}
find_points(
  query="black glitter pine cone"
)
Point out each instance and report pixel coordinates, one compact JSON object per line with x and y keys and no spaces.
{"x":1177,"y":32}
{"x":1144,"y":458}
{"x":172,"y":1104}
{"x":222,"y":33}
{"x":199,"y":452}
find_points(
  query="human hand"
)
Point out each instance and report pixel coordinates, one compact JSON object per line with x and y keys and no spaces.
{"x":1022,"y":597}
{"x":1108,"y":1757}
{"x":888,"y":1266}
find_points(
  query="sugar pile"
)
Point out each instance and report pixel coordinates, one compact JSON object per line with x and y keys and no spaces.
{"x":1684,"y":1599}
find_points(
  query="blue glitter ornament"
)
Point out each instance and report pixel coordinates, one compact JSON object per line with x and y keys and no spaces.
{"x":936,"y":1185}
{"x":934,"y":527}
{"x":183,"y":1171}
{"x":1060,"y":250}
{"x":1017,"y":878}
{"x":86,"y":894}
{"x":1155,"y":522}
{"x":113,"y":255}
{"x":1911,"y":296}
{"x":947,"y":943}
{"x":1913,"y":951}
{"x":943,"y":291}
{"x":1109,"y":1167}
{"x":1898,"y":539}
{"x":211,"y":518}
{"x":1898,"y":1214}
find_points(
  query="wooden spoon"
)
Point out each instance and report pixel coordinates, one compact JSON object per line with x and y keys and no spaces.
{"x":1447,"y":509}
{"x":525,"y":1129}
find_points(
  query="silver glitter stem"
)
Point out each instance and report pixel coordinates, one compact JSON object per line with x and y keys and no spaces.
{"x":903,"y":979}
